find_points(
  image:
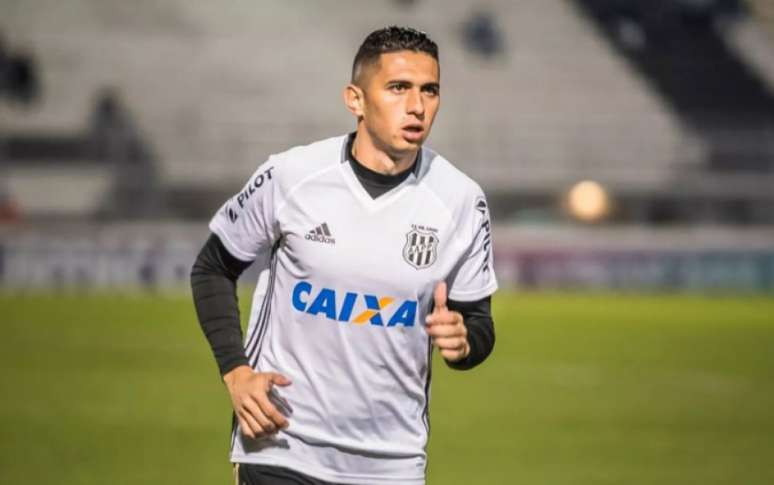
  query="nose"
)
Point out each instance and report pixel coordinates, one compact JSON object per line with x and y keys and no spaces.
{"x":415,"y":104}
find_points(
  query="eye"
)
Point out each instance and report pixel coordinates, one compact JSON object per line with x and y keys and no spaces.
{"x":431,"y":90}
{"x":398,"y":87}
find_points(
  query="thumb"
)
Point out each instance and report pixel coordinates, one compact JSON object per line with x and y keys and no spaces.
{"x":439,"y":296}
{"x":279,"y":379}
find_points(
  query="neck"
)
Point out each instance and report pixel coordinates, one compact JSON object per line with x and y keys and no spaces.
{"x":371,"y":156}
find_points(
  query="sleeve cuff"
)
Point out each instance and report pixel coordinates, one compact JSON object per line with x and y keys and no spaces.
{"x":229,"y":245}
{"x":473,"y":295}
{"x":232,"y":364}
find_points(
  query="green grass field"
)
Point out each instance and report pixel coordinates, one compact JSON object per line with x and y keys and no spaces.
{"x":581,"y":389}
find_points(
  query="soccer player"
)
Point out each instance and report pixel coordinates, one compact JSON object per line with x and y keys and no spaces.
{"x":374,"y":250}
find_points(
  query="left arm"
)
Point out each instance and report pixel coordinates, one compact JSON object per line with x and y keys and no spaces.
{"x":462,"y":331}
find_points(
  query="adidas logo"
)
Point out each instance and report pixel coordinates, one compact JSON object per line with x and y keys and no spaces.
{"x":321,"y":234}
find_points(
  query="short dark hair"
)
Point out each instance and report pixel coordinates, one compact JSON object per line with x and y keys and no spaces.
{"x":391,"y":39}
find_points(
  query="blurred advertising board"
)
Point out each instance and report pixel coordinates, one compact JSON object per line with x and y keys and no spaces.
{"x":632,"y":269}
{"x":160,"y":255}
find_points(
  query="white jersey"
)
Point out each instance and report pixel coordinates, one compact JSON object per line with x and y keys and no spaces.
{"x":341,"y":309}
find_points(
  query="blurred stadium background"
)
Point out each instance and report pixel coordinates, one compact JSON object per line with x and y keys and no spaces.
{"x":626,"y":147}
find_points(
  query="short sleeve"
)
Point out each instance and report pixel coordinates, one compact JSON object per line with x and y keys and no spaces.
{"x":473,"y":276}
{"x":246,"y":223}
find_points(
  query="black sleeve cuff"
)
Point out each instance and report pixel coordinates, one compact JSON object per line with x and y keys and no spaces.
{"x":477,"y":316}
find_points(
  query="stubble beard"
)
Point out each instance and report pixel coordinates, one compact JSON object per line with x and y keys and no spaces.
{"x":390,"y":149}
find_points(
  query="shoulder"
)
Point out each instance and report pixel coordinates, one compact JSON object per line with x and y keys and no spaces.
{"x":454,"y":189}
{"x":299,"y":163}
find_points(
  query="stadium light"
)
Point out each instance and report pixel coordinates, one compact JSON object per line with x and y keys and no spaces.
{"x":588,"y":201}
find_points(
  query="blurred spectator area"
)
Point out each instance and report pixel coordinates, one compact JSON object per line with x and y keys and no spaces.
{"x":670,"y":111}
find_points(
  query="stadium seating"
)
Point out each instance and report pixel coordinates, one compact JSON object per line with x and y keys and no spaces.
{"x":215,"y":88}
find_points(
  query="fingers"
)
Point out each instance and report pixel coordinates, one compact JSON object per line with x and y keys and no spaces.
{"x":270,"y":411}
{"x":246,"y":428}
{"x":257,"y":420}
{"x":252,"y":421}
{"x":452,"y":348}
{"x":439,"y":297}
{"x":249,"y":425}
{"x":443,"y":318}
{"x":437,"y":330}
{"x":256,"y":414}
{"x":447,"y":328}
{"x":454,"y":355}
{"x":450,"y":343}
{"x":279,"y":379}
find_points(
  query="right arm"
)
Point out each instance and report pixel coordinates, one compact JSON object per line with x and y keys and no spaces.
{"x":242,"y":230}
{"x":213,"y":284}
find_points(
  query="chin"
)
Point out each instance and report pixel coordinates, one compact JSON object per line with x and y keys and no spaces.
{"x":404,"y":145}
{"x":404,"y":149}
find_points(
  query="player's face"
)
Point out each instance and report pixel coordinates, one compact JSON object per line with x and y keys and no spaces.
{"x":401,"y":99}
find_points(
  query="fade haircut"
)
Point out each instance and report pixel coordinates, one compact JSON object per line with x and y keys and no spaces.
{"x":390,"y":39}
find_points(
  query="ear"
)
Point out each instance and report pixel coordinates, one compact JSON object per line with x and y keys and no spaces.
{"x":354,"y":99}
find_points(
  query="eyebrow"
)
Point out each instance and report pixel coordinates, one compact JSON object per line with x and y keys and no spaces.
{"x":404,"y":81}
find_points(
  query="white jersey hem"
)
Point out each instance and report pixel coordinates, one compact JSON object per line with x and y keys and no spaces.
{"x":326,"y":475}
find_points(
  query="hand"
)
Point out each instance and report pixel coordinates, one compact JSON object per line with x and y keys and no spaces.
{"x":249,"y":391}
{"x":447,"y":328}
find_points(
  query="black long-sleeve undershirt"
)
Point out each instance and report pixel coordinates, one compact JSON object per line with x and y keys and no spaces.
{"x":213,"y":283}
{"x":477,"y":316}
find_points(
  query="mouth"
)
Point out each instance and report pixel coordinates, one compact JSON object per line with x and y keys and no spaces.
{"x":413,"y":132}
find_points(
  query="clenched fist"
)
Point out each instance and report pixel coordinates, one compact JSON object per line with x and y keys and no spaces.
{"x":446,"y":328}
